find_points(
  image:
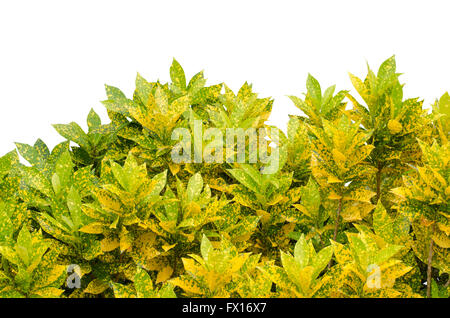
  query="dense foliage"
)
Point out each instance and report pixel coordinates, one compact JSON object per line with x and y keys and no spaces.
{"x":359,"y":206}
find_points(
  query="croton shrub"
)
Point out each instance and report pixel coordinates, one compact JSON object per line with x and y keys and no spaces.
{"x":357,"y":207}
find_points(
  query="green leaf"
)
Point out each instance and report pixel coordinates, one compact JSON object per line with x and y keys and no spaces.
{"x":115,"y":94}
{"x":143,"y":284}
{"x":160,"y":179}
{"x":166,"y":291}
{"x":7,"y":161}
{"x":23,"y":279}
{"x":171,"y":208}
{"x":310,"y":197}
{"x":292,"y":268}
{"x":6,"y":226}
{"x":10,"y":293}
{"x":314,"y":91}
{"x":74,"y":133}
{"x":74,"y":205}
{"x":31,"y":177}
{"x":143,"y":89}
{"x":24,"y":245}
{"x":245,"y":179}
{"x":30,"y":154}
{"x":64,"y":168}
{"x":177,"y":75}
{"x":321,"y":260}
{"x":386,"y":71}
{"x":93,"y":120}
{"x":205,"y":247}
{"x":196,"y":83}
{"x":359,"y":250}
{"x":360,"y":88}
{"x":382,"y":223}
{"x":328,"y":94}
{"x":10,"y":254}
{"x":301,"y":252}
{"x":194,"y":187}
{"x":49,"y":273}
{"x":122,"y":291}
{"x":386,"y":253}
{"x":444,"y":105}
{"x":121,"y":176}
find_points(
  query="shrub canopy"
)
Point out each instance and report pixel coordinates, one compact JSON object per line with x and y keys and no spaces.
{"x":358,"y":205}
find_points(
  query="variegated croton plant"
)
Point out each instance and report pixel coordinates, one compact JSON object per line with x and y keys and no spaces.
{"x":357,"y":207}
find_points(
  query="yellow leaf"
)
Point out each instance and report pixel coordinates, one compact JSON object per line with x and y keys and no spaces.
{"x":49,"y":292}
{"x":340,"y":159}
{"x":333,"y":179}
{"x":93,"y":228}
{"x":441,"y":240}
{"x":169,"y":226}
{"x":361,"y":195}
{"x":342,"y":253}
{"x":164,"y":274}
{"x":174,"y":168}
{"x":302,"y":209}
{"x":96,"y":287}
{"x":189,"y":236}
{"x":305,"y":276}
{"x":188,"y":284}
{"x":192,"y":210}
{"x":122,"y":291}
{"x":334,"y":196}
{"x":168,"y":247}
{"x":394,"y":126}
{"x":144,"y":245}
{"x":355,"y":211}
{"x":107,"y":200}
{"x":401,"y":192}
{"x":126,"y":240}
{"x":390,"y":271}
{"x":444,"y":228}
{"x":49,"y":276}
{"x":156,"y":264}
{"x":276,"y":199}
{"x":360,"y":87}
{"x":109,"y":243}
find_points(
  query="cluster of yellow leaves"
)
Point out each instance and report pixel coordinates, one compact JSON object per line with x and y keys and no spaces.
{"x":424,"y":199}
{"x":339,"y":164}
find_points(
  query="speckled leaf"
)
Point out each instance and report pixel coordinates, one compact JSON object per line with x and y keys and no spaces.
{"x":34,"y":179}
{"x":74,"y":205}
{"x":93,"y":120}
{"x":73,"y":132}
{"x":6,"y":226}
{"x":143,"y":284}
{"x":301,"y":252}
{"x":122,"y":291}
{"x":314,"y":90}
{"x":96,"y":286}
{"x":194,"y":187}
{"x":177,"y":75}
{"x":382,"y":223}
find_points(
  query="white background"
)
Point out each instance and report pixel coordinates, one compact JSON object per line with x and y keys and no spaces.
{"x":55,"y":56}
